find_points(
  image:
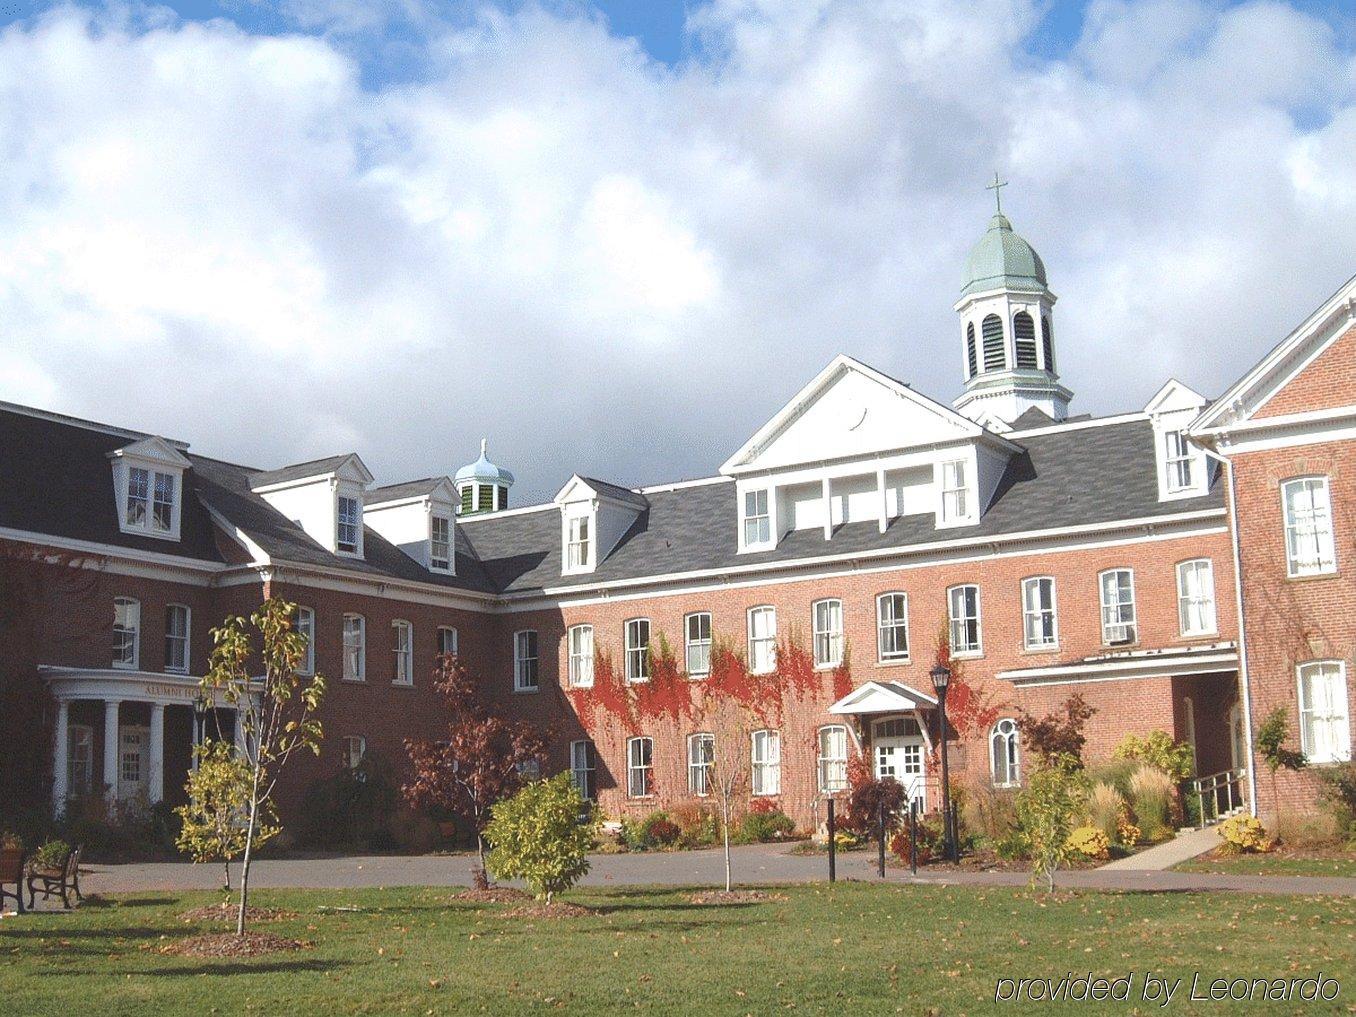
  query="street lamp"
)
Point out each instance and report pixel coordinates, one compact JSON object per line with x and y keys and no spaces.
{"x":200,"y":705}
{"x":941,"y":678}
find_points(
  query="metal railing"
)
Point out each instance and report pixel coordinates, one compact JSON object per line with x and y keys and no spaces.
{"x":1218,"y":794}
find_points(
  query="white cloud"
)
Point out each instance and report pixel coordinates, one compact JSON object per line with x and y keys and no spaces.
{"x":618,"y":267}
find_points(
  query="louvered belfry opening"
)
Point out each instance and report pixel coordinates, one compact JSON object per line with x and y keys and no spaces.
{"x":1048,"y":341}
{"x":992,"y":329}
{"x":1024,"y":332}
{"x":970,"y":357}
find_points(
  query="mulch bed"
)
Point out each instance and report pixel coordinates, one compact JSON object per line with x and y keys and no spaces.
{"x":228,"y":944}
{"x":494,"y":895}
{"x":557,"y":909}
{"x":734,"y":897}
{"x":229,"y":912}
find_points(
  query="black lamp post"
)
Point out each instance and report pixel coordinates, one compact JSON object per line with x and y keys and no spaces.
{"x":200,"y":705}
{"x":941,"y":678}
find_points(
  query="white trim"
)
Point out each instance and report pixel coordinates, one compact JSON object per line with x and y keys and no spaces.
{"x":1078,"y":425}
{"x":520,"y":662}
{"x":881,"y":697}
{"x":1168,"y":662}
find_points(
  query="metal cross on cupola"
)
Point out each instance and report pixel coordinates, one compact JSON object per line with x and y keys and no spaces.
{"x":997,"y":188}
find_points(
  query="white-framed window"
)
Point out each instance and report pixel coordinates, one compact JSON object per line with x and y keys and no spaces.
{"x":151,"y":500}
{"x":584,"y":768}
{"x":448,"y":641}
{"x":762,"y":640}
{"x":126,"y":632}
{"x":892,"y":627}
{"x":1118,"y":606}
{"x":1004,"y":754}
{"x":767,"y":762}
{"x":828,"y":632}
{"x":355,"y":648}
{"x":526,"y":677}
{"x":757,"y":519}
{"x":701,"y":755}
{"x":349,"y":531}
{"x":1325,"y":728}
{"x":954,"y":502}
{"x":697,"y":643}
{"x":1040,"y":630}
{"x":833,"y":757}
{"x":529,"y":769}
{"x":637,"y":650}
{"x":79,"y":759}
{"x":1178,"y":461}
{"x":963,"y":607}
{"x":1307,"y":503}
{"x":176,"y":638}
{"x":355,"y":748}
{"x":580,"y":639}
{"x":577,"y":547}
{"x":130,"y":748}
{"x":305,"y":626}
{"x":639,"y":767}
{"x":440,"y":543}
{"x":402,"y":646}
{"x":1196,"y":597}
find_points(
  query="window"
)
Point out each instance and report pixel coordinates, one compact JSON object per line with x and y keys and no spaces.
{"x":701,"y":755}
{"x":1004,"y":762}
{"x":138,"y":496}
{"x":440,"y":543}
{"x":992,"y":330}
{"x":355,"y":748}
{"x":150,"y":500}
{"x":468,"y":499}
{"x":1178,"y":461}
{"x":828,"y":632}
{"x":963,"y":603}
{"x":355,"y":648}
{"x":767,"y":762}
{"x":577,"y":552}
{"x":954,"y":504}
{"x":638,"y":650}
{"x":485,"y":498}
{"x":525,"y":675}
{"x":1325,"y":730}
{"x":833,"y":758}
{"x":581,"y":656}
{"x":640,"y":767}
{"x":126,"y":632}
{"x":79,"y":759}
{"x":1038,"y":613}
{"x":176,"y":638}
{"x":162,"y":504}
{"x":1024,"y":336}
{"x":1118,"y":607}
{"x":447,"y":640}
{"x":584,"y":768}
{"x":1196,"y":597}
{"x":305,"y":625}
{"x":402,"y":645}
{"x":762,"y":640}
{"x":529,"y":769}
{"x":500,"y":497}
{"x":130,"y":770}
{"x":757,"y":520}
{"x":697,"y":628}
{"x":349,"y":525}
{"x":1308,"y":527}
{"x":971,"y":361}
{"x":1048,"y":343}
{"x":892,"y":627}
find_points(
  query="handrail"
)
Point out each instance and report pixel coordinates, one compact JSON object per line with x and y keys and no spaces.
{"x":1212,"y":790}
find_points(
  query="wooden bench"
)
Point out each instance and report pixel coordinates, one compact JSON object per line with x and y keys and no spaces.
{"x":12,"y":863}
{"x":53,"y":882}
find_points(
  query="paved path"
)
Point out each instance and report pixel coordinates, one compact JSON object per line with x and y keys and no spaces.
{"x":1184,"y":846}
{"x":761,"y":863}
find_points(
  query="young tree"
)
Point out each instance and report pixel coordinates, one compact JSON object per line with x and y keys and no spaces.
{"x":1058,"y":736}
{"x":1046,"y":811}
{"x":218,"y":800}
{"x":1271,"y":739}
{"x":479,"y":762}
{"x":276,"y":711}
{"x":538,"y":836}
{"x":729,"y":773}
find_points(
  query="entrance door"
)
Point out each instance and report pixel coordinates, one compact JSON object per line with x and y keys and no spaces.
{"x":898,"y":749}
{"x":134,"y":763}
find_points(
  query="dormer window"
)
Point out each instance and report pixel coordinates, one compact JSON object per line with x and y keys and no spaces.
{"x":440,"y":543}
{"x":150,"y":500}
{"x":954,"y":502}
{"x":349,"y":535}
{"x":146,"y":482}
{"x":757,"y":519}
{"x":577,"y":548}
{"x":1178,"y":461}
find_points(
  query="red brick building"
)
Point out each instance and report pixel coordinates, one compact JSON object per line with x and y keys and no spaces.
{"x":787,"y":609}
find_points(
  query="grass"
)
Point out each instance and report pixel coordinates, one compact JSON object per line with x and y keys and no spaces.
{"x":856,"y":948}
{"x":1334,"y":863}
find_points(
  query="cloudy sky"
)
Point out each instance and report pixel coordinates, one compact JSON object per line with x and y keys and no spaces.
{"x":616,"y":237}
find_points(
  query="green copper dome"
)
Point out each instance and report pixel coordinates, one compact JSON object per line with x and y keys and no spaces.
{"x":1003,"y":260}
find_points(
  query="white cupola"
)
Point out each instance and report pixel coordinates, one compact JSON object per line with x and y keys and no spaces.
{"x":1007,"y":337}
{"x":482,"y":486}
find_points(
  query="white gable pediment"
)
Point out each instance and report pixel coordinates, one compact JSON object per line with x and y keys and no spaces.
{"x":354,"y":469}
{"x":153,"y":450}
{"x":1175,"y":397}
{"x":849,"y":410}
{"x":882,"y":697}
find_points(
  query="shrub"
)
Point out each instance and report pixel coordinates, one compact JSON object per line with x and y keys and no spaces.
{"x":1016,"y":846}
{"x":1338,"y":795}
{"x":762,"y":806}
{"x":1046,"y":810}
{"x":11,"y":841}
{"x":1116,"y":772}
{"x":845,"y":840}
{"x":990,"y":812}
{"x":765,"y":826}
{"x":697,"y":825}
{"x":353,"y":806}
{"x":931,"y":841}
{"x":1089,"y":842}
{"x":1151,"y":796}
{"x":1159,"y":751}
{"x":52,"y":854}
{"x":1244,"y":835}
{"x":660,"y":831}
{"x":1314,"y":830}
{"x":1108,"y":812}
{"x":867,"y":796}
{"x":537,"y":836}
{"x":1057,"y":737}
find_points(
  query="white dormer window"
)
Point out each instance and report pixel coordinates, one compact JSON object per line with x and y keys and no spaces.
{"x":757,"y":519}
{"x":955,"y":504}
{"x":440,"y":543}
{"x":1178,"y":461}
{"x":348,"y":537}
{"x":147,"y":485}
{"x":577,"y":548}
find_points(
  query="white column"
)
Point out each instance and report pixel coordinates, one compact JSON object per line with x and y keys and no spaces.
{"x":60,"y":757}
{"x":156,"y":790}
{"x":828,"y":510}
{"x":884,"y":500}
{"x":111,"y":738}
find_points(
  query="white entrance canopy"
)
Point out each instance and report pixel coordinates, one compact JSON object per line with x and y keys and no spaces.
{"x":882,"y":697}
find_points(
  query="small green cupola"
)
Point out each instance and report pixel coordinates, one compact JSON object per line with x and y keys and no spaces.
{"x":482,"y":486}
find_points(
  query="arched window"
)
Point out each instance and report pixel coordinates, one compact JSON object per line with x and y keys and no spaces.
{"x":971,"y":360}
{"x":1048,"y":341}
{"x":1024,"y":332}
{"x":992,"y":329}
{"x":1004,"y":759}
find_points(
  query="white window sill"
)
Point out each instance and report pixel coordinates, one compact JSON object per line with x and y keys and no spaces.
{"x":581,"y":685}
{"x":1210,"y":634}
{"x":894,"y":662}
{"x":967,"y":654}
{"x":398,"y":684}
{"x":765,"y":794}
{"x":1041,"y":648}
{"x":637,"y":681}
{"x":527,"y":692}
{"x":699,"y":676}
{"x":355,"y":681}
{"x":828,"y":667}
{"x":124,"y":666}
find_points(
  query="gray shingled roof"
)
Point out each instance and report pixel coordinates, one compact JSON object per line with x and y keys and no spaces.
{"x":395,"y":492}
{"x":298,"y":471}
{"x":621,"y":494}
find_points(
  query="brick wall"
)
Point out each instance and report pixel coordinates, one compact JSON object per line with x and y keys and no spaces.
{"x":1325,"y":383}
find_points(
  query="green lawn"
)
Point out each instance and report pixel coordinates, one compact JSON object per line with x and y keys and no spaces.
{"x":1275,"y":865}
{"x":856,"y":949}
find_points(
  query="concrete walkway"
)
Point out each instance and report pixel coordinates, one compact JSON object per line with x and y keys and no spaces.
{"x":1184,"y":846}
{"x":755,"y":864}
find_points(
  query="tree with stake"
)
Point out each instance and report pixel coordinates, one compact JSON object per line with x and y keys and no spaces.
{"x":728,"y":775}
{"x":276,"y":712}
{"x":218,"y":799}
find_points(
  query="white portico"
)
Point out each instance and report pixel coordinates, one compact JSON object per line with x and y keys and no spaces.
{"x":133,"y":730}
{"x":890,"y":715}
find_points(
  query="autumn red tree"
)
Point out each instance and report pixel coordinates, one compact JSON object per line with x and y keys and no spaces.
{"x":1057,"y":734}
{"x":480,"y":761}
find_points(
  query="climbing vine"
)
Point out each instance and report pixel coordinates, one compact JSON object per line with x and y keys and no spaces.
{"x":967,"y":709}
